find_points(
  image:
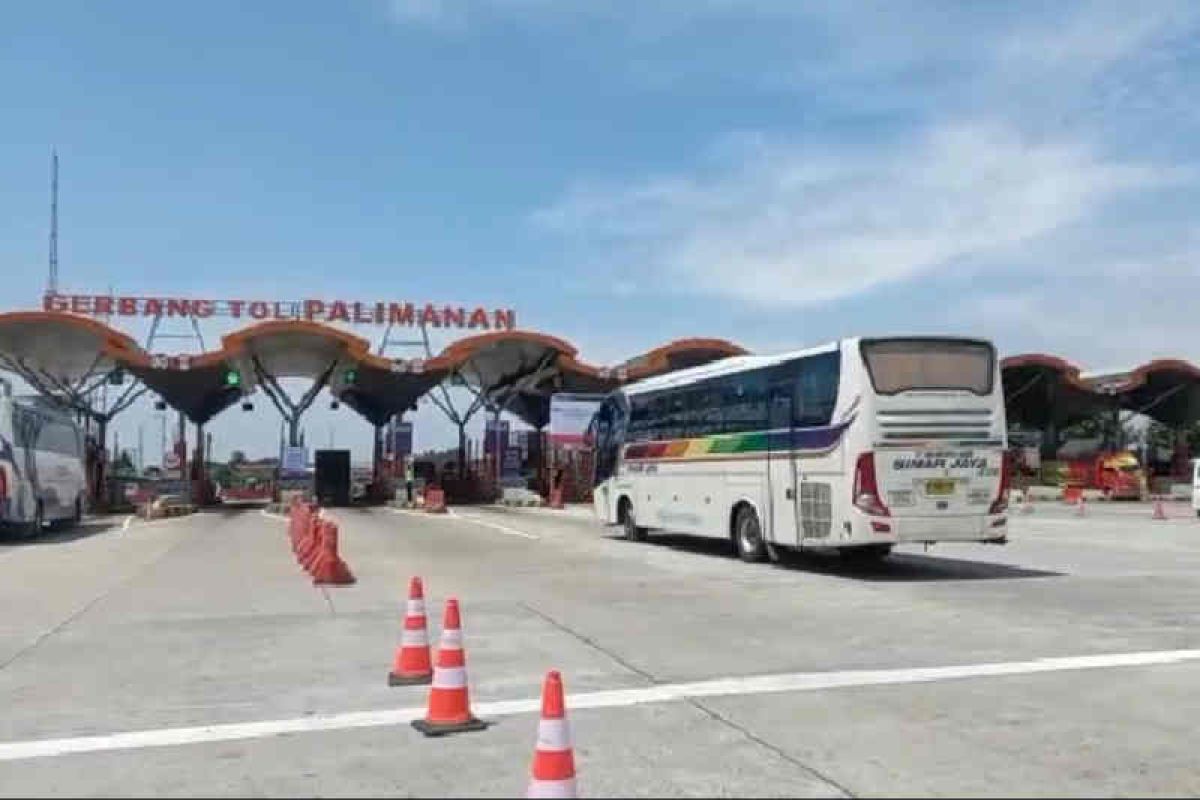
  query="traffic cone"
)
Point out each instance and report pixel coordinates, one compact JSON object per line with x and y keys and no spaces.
{"x":311,"y":542}
{"x":1159,"y":511}
{"x":553,"y":772}
{"x":412,"y":665}
{"x":329,"y":569}
{"x":311,"y":546}
{"x":449,"y":709}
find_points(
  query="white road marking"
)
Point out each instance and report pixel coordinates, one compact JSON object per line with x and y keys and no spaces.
{"x":164,"y":520}
{"x":617,"y":698}
{"x":266,"y":513}
{"x":451,"y":514}
{"x":127,"y":523}
{"x":497,"y":526}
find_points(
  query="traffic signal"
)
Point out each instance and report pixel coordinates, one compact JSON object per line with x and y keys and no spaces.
{"x":233,"y":378}
{"x":351,"y":375}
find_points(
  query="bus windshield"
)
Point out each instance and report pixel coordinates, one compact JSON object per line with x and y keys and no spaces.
{"x":901,"y":365}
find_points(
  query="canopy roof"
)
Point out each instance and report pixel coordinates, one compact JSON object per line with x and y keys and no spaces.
{"x":515,"y":370}
{"x":65,"y":347}
{"x":1040,"y":389}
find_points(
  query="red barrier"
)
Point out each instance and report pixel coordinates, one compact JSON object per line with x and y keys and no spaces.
{"x":310,"y":548}
{"x":1073,"y":494}
{"x":435,"y":500}
{"x":329,"y":569}
{"x":297,"y":522}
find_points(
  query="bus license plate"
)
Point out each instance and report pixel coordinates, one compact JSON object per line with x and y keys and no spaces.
{"x":939,"y":487}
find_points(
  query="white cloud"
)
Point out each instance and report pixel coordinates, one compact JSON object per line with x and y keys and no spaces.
{"x":429,"y":12}
{"x":1116,"y":318}
{"x":788,"y":227}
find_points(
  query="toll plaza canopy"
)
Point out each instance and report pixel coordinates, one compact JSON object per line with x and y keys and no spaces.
{"x":67,"y":356}
{"x":512,"y":370}
{"x":1047,"y":392}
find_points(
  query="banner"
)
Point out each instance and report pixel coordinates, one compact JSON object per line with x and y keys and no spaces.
{"x":402,"y":440}
{"x":495,"y":436}
{"x":512,"y":462}
{"x":570,"y":415}
{"x":295,"y":462}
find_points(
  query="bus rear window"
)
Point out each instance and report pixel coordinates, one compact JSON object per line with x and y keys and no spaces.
{"x":901,"y":365}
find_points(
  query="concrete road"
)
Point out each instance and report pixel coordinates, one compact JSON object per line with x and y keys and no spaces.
{"x":688,"y":673}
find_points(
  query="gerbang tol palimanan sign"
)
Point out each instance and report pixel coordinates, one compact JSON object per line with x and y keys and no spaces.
{"x":350,"y":312}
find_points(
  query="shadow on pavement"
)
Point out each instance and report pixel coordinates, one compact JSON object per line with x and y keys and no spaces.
{"x":898,"y":567}
{"x":89,"y":527}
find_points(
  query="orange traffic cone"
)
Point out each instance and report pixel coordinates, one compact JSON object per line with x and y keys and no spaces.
{"x":553,"y":772}
{"x":310,"y":545}
{"x":412,"y":665}
{"x":329,"y":569}
{"x":1159,"y":511}
{"x":449,"y":709}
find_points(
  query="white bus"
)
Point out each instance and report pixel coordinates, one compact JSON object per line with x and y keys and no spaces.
{"x":857,"y":445}
{"x":42,"y":475}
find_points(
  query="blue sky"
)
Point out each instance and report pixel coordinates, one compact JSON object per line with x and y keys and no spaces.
{"x":776,"y":173}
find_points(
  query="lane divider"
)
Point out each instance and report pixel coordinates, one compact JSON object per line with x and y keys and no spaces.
{"x":615,"y":698}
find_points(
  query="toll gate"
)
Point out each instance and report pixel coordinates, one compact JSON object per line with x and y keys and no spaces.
{"x":65,"y":356}
{"x":68,"y":356}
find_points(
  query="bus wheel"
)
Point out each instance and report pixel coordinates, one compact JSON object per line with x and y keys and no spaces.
{"x":748,"y":535}
{"x":35,"y":527}
{"x":632,"y":532}
{"x":866,"y":554}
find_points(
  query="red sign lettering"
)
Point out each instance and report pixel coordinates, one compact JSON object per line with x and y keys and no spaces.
{"x":324,"y":311}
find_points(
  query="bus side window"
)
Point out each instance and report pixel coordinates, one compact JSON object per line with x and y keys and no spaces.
{"x":744,"y":402}
{"x":817,"y":389}
{"x":605,"y":457}
{"x":639,"y":419}
{"x":706,"y":410}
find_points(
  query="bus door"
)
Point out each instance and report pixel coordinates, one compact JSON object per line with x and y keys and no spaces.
{"x":781,"y":466}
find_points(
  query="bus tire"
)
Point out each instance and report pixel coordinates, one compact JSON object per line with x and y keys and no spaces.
{"x":866,"y":554}
{"x":747,"y":535}
{"x":35,"y":526}
{"x":628,"y":521}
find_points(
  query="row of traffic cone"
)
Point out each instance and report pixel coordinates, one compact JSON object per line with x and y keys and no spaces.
{"x":1080,"y":503}
{"x":315,"y":545}
{"x":449,"y":706}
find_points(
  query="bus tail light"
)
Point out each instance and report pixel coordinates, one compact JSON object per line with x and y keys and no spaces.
{"x":1000,"y":504}
{"x":866,"y":487}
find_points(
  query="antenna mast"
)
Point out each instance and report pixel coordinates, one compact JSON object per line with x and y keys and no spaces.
{"x":52,"y":282}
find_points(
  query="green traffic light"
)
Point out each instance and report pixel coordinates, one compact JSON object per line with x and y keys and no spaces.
{"x":351,"y":375}
{"x":233,"y":378}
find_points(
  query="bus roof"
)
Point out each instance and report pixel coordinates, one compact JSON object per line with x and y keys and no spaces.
{"x":725,"y":366}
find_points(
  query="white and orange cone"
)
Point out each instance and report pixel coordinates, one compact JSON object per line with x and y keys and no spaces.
{"x":412,"y":664}
{"x":449,"y":709}
{"x":553,"y":771}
